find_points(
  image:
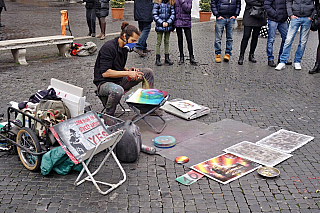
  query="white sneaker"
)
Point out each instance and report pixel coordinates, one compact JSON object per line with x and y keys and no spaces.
{"x":297,"y":66}
{"x":280,"y":66}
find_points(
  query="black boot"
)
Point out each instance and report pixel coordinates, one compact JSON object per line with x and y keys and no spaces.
{"x":252,"y":59}
{"x":192,"y":60}
{"x":181,"y":59}
{"x":158,"y":61}
{"x":315,"y":69}
{"x":167,"y":59}
{"x":240,"y":61}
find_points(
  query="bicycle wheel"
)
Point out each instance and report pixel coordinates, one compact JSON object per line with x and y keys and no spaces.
{"x":28,"y":139}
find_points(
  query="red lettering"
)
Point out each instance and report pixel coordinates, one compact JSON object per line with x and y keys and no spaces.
{"x":104,"y":133}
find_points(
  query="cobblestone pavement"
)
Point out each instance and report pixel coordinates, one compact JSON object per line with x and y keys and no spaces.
{"x":253,"y":93}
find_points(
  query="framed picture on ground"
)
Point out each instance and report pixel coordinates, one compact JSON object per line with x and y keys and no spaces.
{"x":225,"y":168}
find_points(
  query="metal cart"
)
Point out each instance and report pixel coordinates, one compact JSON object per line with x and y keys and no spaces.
{"x":19,"y":136}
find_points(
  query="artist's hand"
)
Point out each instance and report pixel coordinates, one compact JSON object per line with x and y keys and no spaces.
{"x":220,"y":17}
{"x":134,"y":69}
{"x":135,"y":75}
{"x":293,"y":16}
{"x":232,"y":17}
{"x":165,"y":24}
{"x":310,"y":18}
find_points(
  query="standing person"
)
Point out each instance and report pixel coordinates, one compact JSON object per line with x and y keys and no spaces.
{"x":143,"y":14}
{"x":164,"y":15}
{"x":91,"y":17}
{"x":102,"y":11}
{"x":2,"y":6}
{"x":300,"y":13}
{"x":226,"y":12}
{"x":252,"y":26}
{"x":277,"y":19}
{"x":183,"y":22}
{"x":316,"y":68}
{"x":111,"y":76}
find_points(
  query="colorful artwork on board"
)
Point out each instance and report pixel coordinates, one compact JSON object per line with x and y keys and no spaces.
{"x":285,"y":141}
{"x":226,"y":168}
{"x":147,"y":96}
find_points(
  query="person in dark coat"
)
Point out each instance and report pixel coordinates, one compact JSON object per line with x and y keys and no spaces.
{"x":183,"y":21}
{"x":277,"y":19}
{"x":164,"y":15}
{"x":301,"y":13}
{"x":316,"y":68}
{"x":226,"y":12}
{"x":102,"y":11}
{"x":91,"y":17}
{"x":252,"y":26}
{"x":143,"y":14}
{"x":2,"y":6}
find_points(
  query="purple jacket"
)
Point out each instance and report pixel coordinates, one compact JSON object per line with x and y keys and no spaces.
{"x":183,"y":13}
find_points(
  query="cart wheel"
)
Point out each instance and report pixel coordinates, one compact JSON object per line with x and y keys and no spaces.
{"x":28,"y":139}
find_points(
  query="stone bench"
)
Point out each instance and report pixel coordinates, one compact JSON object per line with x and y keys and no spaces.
{"x":18,"y":46}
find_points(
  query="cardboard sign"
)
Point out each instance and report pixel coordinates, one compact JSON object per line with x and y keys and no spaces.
{"x":80,"y":135}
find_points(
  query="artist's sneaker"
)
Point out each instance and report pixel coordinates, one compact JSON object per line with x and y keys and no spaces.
{"x":280,"y":66}
{"x":297,"y":66}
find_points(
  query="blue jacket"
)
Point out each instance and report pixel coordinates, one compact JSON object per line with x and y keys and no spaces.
{"x":276,"y":10}
{"x":183,"y":13}
{"x":163,"y":12}
{"x":225,"y":8}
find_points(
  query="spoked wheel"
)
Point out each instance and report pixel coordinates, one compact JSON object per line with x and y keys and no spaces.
{"x":28,"y":139}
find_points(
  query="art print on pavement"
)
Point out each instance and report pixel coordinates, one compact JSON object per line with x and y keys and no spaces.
{"x":226,"y":168}
{"x":259,"y":154}
{"x":285,"y":141}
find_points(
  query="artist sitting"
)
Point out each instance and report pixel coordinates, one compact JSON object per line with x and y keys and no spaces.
{"x":111,"y":76}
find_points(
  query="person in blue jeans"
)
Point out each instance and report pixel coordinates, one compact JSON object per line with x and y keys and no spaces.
{"x":143,"y":14}
{"x":300,"y":13}
{"x":226,"y":12}
{"x":277,"y":19}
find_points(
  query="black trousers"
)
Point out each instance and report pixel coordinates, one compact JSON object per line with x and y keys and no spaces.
{"x":91,"y":20}
{"x":254,"y":40}
{"x":187,"y":32}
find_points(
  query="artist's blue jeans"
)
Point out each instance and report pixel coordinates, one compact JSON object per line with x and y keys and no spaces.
{"x":91,"y":20}
{"x":294,"y":25}
{"x":283,"y":29}
{"x":220,"y":25}
{"x":144,"y":27}
{"x":111,"y":92}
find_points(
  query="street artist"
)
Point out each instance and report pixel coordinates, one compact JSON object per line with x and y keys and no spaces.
{"x":111,"y":76}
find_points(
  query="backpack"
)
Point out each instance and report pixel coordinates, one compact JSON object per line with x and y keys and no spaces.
{"x":128,"y":148}
{"x":50,"y":112}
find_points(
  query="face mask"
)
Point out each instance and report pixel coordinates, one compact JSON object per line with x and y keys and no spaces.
{"x":129,"y":46}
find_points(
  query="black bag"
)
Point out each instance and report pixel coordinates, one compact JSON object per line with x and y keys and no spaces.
{"x":128,"y":148}
{"x":258,"y":12}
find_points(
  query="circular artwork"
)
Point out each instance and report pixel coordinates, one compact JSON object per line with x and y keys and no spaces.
{"x":151,"y":94}
{"x":182,"y":159}
{"x":164,"y":141}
